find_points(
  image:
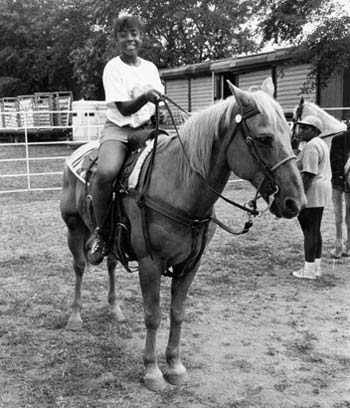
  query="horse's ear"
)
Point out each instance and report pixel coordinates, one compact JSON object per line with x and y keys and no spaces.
{"x":235,"y":90}
{"x":268,"y":86}
{"x":242,"y":96}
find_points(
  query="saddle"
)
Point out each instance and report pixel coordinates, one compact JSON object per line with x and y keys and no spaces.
{"x":117,"y":225}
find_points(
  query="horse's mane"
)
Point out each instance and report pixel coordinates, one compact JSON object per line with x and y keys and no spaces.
{"x":200,"y":131}
{"x":330,"y":124}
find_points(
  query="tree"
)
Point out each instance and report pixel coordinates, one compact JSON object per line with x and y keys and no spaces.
{"x":36,"y":38}
{"x":325,"y":45}
{"x":176,"y":32}
{"x":64,"y":45}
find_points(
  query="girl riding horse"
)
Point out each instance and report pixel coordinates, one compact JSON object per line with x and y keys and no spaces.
{"x":246,"y":133}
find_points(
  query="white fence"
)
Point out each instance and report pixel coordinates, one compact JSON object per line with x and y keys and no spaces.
{"x":41,"y":160}
{"x":19,"y":158}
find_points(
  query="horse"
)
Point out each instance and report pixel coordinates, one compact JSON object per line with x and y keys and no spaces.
{"x":246,"y":133}
{"x":337,"y":137}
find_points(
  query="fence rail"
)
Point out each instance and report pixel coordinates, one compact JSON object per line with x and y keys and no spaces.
{"x":26,"y":161}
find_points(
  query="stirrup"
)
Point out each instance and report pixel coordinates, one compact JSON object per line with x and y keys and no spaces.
{"x":98,"y":248}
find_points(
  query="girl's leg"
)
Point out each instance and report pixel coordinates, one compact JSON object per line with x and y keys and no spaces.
{"x":110,"y":160}
{"x":310,"y":220}
{"x":307,"y":224}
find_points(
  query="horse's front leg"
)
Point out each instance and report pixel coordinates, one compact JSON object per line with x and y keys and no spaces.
{"x":347,"y":222}
{"x":76,"y":241}
{"x":337,"y":197}
{"x":114,"y":306}
{"x":150,"y":275}
{"x":176,"y":371}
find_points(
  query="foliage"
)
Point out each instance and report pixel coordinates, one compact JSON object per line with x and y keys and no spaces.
{"x":36,"y":38}
{"x":10,"y":86}
{"x":284,"y":20}
{"x":325,"y":45}
{"x":191,"y":31}
{"x":327,"y":48}
{"x":52,"y":46}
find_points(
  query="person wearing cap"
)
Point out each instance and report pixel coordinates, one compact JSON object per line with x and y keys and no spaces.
{"x":314,"y":164}
{"x":132,"y":88}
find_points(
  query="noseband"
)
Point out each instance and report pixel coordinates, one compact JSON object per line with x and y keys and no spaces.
{"x":251,"y":207}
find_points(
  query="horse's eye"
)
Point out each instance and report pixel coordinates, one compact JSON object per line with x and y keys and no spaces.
{"x":265,"y":141}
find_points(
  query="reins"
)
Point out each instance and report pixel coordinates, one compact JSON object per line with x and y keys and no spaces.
{"x":249,"y":210}
{"x":199,"y":227}
{"x":240,"y":120}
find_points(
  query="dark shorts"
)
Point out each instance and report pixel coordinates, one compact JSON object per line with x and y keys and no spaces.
{"x":111,"y":131}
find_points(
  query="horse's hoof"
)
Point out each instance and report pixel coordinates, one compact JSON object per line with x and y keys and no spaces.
{"x":74,"y":324}
{"x":176,"y":375}
{"x":118,"y":315}
{"x":155,"y":381}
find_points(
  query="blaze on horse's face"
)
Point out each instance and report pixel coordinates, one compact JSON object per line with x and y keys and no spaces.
{"x":268,"y":161}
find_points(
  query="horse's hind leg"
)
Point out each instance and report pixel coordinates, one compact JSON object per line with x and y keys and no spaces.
{"x":346,"y":251}
{"x":115,"y":310}
{"x":337,"y":197}
{"x":176,"y":372}
{"x":77,"y":235}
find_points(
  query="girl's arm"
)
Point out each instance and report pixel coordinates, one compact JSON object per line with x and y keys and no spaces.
{"x":129,"y":107}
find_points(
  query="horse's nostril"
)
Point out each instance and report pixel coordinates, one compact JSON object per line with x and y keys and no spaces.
{"x":291,"y":207}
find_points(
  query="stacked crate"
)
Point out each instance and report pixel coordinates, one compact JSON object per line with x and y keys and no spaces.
{"x":9,"y":108}
{"x":43,"y":115}
{"x":2,"y":116}
{"x":26,"y":107}
{"x":62,"y":104}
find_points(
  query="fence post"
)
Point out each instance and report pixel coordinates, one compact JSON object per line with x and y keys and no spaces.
{"x":26,"y":149}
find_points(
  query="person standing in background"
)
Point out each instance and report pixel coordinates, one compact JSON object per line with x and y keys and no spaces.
{"x":314,"y":164}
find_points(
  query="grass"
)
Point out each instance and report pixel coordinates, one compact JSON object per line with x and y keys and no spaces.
{"x":253,"y":336}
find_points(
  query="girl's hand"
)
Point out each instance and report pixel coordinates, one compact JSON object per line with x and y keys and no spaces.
{"x":153,"y":96}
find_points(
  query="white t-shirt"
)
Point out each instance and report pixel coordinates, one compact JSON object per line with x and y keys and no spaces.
{"x":314,"y":158}
{"x":123,"y":82}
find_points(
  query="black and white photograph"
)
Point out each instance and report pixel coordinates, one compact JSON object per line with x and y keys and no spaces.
{"x":175,"y":204}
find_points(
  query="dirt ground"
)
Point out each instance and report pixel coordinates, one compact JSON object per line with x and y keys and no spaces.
{"x":254,"y":336}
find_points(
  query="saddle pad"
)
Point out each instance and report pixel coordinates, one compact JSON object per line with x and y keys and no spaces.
{"x":163,"y":141}
{"x":76,"y":160}
{"x":135,"y":174}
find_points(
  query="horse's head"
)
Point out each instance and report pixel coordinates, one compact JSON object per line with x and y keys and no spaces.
{"x":330,"y":124}
{"x":260,"y":151}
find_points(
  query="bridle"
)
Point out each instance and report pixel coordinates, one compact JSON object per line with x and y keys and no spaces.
{"x":241,"y":122}
{"x":199,"y":226}
{"x":298,"y":115}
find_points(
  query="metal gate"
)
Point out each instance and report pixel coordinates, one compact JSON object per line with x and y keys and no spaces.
{"x":28,"y":165}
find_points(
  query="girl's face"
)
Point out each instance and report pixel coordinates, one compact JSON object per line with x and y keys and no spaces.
{"x":129,"y":41}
